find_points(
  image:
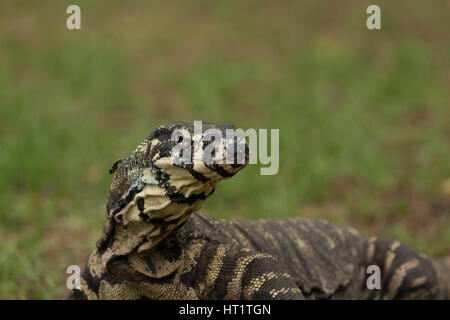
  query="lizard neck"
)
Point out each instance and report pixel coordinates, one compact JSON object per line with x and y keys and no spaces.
{"x":161,"y":230}
{"x":135,"y":239}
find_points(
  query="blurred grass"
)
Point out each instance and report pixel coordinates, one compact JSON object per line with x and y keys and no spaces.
{"x":364,"y":116}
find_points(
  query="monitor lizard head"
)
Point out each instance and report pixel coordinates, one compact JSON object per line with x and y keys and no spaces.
{"x":172,"y":172}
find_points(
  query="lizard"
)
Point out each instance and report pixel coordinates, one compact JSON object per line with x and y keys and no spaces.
{"x":156,"y":245}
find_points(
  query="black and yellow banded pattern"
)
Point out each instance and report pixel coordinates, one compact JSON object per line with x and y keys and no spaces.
{"x":156,"y":246}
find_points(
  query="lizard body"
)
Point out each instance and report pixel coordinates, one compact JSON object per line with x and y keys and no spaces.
{"x":156,"y":246}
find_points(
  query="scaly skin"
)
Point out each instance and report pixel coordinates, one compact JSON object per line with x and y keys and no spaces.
{"x":155,"y":246}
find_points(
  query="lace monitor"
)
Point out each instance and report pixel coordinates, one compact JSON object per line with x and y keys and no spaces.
{"x":156,"y":246}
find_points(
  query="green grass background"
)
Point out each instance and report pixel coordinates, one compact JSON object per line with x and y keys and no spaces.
{"x":364,"y":116}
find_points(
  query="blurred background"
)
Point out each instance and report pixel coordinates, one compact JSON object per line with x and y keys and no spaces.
{"x":364,"y":116}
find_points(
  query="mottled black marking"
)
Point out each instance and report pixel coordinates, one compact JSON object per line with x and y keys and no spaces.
{"x":197,"y":175}
{"x":256,"y":268}
{"x":115,"y":165}
{"x":200,"y":268}
{"x":170,"y":251}
{"x":219,"y":170}
{"x":76,"y":294}
{"x":128,"y":198}
{"x":92,"y":281}
{"x":149,"y":263}
{"x":141,"y":208}
{"x":182,"y":199}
